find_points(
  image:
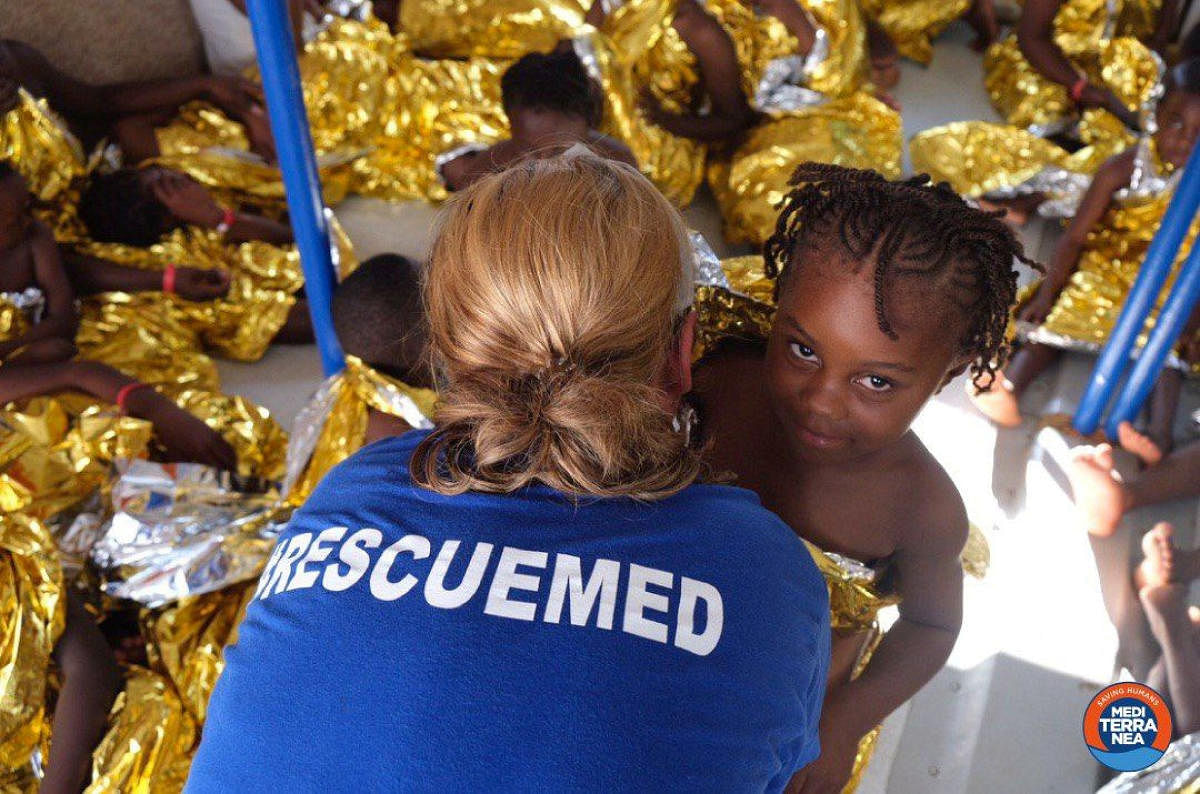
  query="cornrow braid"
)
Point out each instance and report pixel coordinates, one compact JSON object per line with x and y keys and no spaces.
{"x":910,"y":229}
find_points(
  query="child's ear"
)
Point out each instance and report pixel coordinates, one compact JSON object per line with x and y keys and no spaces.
{"x":955,"y":370}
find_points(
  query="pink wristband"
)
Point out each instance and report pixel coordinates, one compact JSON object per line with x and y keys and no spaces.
{"x":168,"y":282}
{"x":126,"y":390}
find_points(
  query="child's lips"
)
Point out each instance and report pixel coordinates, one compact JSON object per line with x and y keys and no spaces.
{"x":813,"y":438}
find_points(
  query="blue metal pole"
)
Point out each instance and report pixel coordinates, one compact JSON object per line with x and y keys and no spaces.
{"x":294,"y":147}
{"x":1154,"y":271}
{"x":1170,"y":324}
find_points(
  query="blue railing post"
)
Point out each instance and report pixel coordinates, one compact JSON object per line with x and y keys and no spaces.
{"x":1172,"y":318}
{"x":1114,"y":358}
{"x":294,"y":148}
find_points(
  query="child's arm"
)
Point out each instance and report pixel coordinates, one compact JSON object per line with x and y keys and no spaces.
{"x":91,"y":275}
{"x":1035,"y":37}
{"x":795,"y":19}
{"x":188,"y":201}
{"x":721,"y":75}
{"x":60,"y":319}
{"x":929,"y":575}
{"x":76,"y":98}
{"x":91,"y":681}
{"x":182,"y":435}
{"x":1111,"y":177}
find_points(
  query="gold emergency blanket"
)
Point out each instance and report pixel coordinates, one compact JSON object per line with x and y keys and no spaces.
{"x":155,"y":725}
{"x":490,"y":28}
{"x":50,"y":158}
{"x":347,"y":95}
{"x":1100,"y":37}
{"x":150,"y":740}
{"x":264,"y":280}
{"x":639,"y":50}
{"x":1088,"y":307}
{"x":857,"y":131}
{"x":32,"y":616}
{"x":439,"y":106}
{"x":56,"y":451}
{"x":17,"y":312}
{"x":913,"y":24}
{"x":837,"y":66}
{"x":1177,"y":772}
{"x":999,"y":161}
{"x":334,"y":424}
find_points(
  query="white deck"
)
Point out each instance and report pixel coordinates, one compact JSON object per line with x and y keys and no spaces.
{"x":1004,"y":716}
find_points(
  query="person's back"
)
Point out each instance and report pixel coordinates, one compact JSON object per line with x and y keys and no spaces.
{"x":605,"y":645}
{"x":536,"y":594}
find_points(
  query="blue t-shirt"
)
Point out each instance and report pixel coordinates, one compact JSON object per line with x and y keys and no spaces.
{"x":401,"y":640}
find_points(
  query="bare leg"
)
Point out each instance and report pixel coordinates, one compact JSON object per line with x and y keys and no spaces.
{"x":885,"y":58}
{"x":1176,"y":477}
{"x":1164,"y":401}
{"x":1001,"y":402}
{"x":981,"y":16}
{"x":1166,"y":608}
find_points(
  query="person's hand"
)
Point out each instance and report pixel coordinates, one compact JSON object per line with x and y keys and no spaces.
{"x":316,"y":9}
{"x":182,"y":436}
{"x":1038,"y":307}
{"x":652,"y":107}
{"x":258,"y":132}
{"x":186,"y":199}
{"x":832,"y":769}
{"x":197,"y":284}
{"x":1098,"y":97}
{"x":10,"y":93}
{"x":233,"y":93}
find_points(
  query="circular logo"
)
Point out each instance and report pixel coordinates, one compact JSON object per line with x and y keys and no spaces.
{"x":1127,"y":726}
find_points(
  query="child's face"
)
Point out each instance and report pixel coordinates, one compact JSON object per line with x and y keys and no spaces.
{"x":840,"y":386}
{"x":1178,"y":126}
{"x":16,"y":203}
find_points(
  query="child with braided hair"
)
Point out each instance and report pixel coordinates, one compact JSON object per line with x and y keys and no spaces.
{"x":884,"y":292}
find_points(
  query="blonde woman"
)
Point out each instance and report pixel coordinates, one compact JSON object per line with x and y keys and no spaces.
{"x":537,"y":594}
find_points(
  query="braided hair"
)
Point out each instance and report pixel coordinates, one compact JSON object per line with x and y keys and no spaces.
{"x":910,"y":229}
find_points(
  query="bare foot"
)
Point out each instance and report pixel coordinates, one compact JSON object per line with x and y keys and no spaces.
{"x":1140,"y":444}
{"x":1100,"y":496}
{"x":998,"y":402}
{"x":1158,"y":566}
{"x":981,"y":16}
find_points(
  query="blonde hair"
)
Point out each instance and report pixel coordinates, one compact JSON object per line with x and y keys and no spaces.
{"x":553,"y":295}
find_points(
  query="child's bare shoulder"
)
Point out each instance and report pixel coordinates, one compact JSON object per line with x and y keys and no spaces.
{"x":934,"y":517}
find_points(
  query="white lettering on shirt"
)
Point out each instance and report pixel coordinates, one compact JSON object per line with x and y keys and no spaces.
{"x":568,"y":580}
{"x":304,"y":578}
{"x":283,"y":568}
{"x":353,"y":554}
{"x":385,"y":589}
{"x":436,"y":594}
{"x":638,"y":599}
{"x":650,"y":594}
{"x":507,"y":579}
{"x":691,"y":591}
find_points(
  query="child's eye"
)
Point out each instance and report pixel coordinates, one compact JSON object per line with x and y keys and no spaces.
{"x":876,"y":383}
{"x":802,"y":352}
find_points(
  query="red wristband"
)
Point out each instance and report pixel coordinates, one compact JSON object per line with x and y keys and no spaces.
{"x":168,"y":284}
{"x":1077,"y":88}
{"x":126,"y":390}
{"x":228,"y":216}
